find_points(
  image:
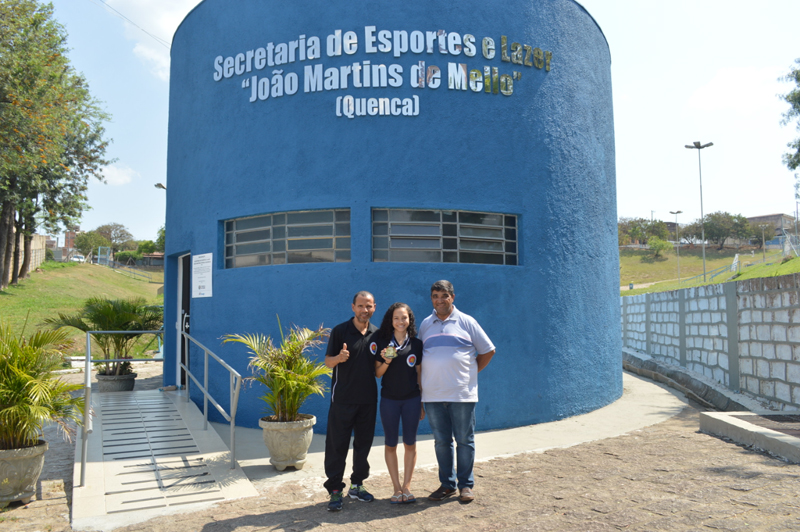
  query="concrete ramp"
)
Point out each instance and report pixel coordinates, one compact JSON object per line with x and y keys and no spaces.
{"x":149,"y":456}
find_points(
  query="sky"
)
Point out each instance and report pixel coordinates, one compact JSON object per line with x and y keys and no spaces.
{"x":681,"y":70}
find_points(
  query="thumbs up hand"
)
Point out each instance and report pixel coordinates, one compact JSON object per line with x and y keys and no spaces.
{"x":344,"y":354}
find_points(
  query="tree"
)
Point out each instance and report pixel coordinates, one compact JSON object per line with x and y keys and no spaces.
{"x":792,"y":158}
{"x":161,"y":240}
{"x":658,"y":229}
{"x":146,"y":247}
{"x":632,"y":230}
{"x":691,"y":233}
{"x":719,"y":227}
{"x":658,"y":246}
{"x":117,"y":234}
{"x":741,"y":229}
{"x":51,"y":135}
{"x":88,"y":242}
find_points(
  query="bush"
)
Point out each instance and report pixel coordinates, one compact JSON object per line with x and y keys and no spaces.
{"x":658,"y":246}
{"x":124,"y":257}
{"x":31,"y":393}
{"x":101,"y":314}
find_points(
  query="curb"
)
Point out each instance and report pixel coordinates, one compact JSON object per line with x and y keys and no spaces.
{"x":696,"y":387}
{"x":738,"y":429}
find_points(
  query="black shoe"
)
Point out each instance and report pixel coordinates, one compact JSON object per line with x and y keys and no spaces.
{"x":441,"y":494}
{"x":335,"y":503}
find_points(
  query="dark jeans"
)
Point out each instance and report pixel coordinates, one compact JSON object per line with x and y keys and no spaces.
{"x":392,"y":412}
{"x":344,"y":420}
{"x":449,"y":422}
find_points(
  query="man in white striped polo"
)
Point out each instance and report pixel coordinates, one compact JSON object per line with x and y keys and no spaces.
{"x":455,"y":349}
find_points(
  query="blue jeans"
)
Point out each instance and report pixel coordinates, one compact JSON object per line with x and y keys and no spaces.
{"x":453,"y":421}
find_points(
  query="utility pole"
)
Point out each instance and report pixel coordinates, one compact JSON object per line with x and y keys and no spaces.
{"x":677,"y":242}
{"x":696,"y":145}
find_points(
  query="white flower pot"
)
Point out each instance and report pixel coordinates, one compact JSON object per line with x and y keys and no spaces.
{"x":19,"y":471}
{"x":288,"y":441}
{"x":116,"y":383}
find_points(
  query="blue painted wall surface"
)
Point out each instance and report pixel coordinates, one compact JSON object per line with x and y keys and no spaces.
{"x":545,"y":153}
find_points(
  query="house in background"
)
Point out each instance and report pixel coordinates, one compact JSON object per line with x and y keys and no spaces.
{"x":784,"y":224}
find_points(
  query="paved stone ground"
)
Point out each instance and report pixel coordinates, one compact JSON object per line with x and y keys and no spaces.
{"x":664,"y":477}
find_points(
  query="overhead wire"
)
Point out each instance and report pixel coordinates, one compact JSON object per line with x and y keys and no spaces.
{"x":159,"y":40}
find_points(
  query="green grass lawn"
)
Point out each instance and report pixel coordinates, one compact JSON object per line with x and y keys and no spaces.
{"x":63,"y":287}
{"x":638,"y":265}
{"x":777,"y":268}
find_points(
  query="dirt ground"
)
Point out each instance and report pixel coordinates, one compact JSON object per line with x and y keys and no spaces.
{"x":665,"y":477}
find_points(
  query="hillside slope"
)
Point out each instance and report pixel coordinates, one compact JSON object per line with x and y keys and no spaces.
{"x":63,"y":287}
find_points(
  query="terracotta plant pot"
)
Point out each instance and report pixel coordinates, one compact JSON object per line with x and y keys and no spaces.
{"x":19,"y":471}
{"x":288,"y":441}
{"x":116,"y":383}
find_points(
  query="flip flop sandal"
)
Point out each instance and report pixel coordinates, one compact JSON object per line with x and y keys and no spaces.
{"x":409,"y":497}
{"x":397,"y":499}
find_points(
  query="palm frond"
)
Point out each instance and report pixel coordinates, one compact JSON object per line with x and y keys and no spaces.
{"x":103,"y":314}
{"x":31,"y":394}
{"x":285,"y":370}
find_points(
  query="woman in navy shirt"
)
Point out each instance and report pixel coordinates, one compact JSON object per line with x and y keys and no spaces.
{"x":397,"y":362}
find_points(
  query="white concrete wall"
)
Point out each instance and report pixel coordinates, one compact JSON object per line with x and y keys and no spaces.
{"x":744,"y":335}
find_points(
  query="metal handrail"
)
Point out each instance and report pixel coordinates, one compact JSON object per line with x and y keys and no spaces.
{"x":235,"y":383}
{"x":87,"y":389}
{"x":713,"y":273}
{"x":235,"y":386}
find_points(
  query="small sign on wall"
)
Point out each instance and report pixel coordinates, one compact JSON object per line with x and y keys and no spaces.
{"x":201,"y":275}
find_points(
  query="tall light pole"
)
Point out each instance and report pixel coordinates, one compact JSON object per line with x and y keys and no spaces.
{"x":697,"y":146}
{"x":678,"y":242}
{"x":763,"y":242}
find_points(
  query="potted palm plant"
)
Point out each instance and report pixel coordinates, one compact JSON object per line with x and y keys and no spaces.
{"x":31,"y":395}
{"x":102,"y":314}
{"x":291,"y":377}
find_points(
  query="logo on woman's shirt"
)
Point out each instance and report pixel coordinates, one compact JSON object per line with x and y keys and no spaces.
{"x":411,"y":360}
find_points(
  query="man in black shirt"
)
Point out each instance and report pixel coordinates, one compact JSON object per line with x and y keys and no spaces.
{"x":354,"y":400}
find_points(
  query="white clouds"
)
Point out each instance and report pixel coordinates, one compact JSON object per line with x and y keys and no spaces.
{"x":117,"y":175}
{"x":155,"y":58}
{"x":158,"y":18}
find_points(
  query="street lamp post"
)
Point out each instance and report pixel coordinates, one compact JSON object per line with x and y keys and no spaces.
{"x":697,"y":146}
{"x":677,"y":242}
{"x":763,"y":242}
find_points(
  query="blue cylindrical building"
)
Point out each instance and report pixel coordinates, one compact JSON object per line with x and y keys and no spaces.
{"x":317,"y":149}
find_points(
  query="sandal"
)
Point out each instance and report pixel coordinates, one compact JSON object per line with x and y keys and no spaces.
{"x":409,"y":497}
{"x":397,"y":499}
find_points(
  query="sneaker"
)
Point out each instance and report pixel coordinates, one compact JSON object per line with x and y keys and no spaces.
{"x":466,"y":495}
{"x":335,"y":503}
{"x":360,"y":492}
{"x":441,"y":494}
